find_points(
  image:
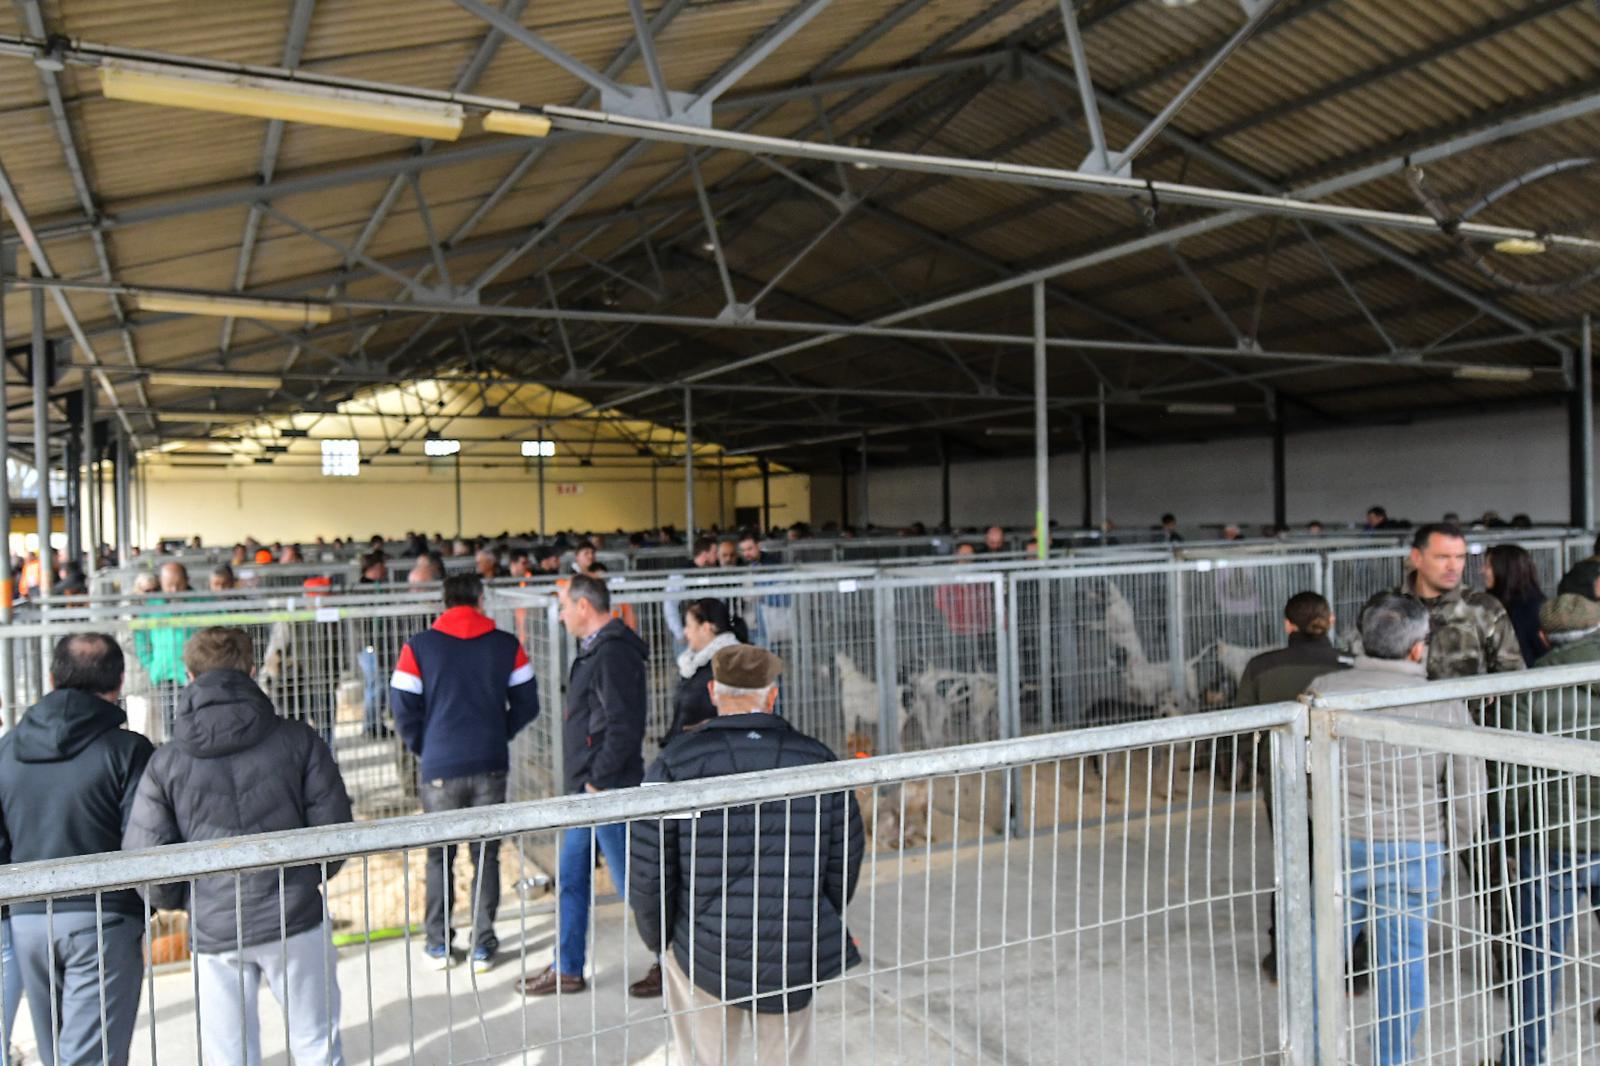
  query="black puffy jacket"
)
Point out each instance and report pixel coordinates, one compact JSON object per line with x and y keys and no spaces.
{"x":68,"y":773}
{"x":233,"y":767}
{"x":607,"y":703}
{"x":691,"y":704}
{"x":699,"y":881}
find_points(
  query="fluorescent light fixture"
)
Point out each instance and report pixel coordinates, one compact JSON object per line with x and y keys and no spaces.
{"x":300,"y":312}
{"x":1494,"y":373}
{"x":1201,"y":409}
{"x":186,"y":380}
{"x":517,"y":123}
{"x":1520,"y":246}
{"x":341,"y":457}
{"x":439,"y":448}
{"x":1006,"y":431}
{"x":278,"y":98}
{"x":536,"y":449}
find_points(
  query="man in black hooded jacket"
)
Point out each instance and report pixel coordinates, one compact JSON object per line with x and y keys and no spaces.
{"x":235,"y":767}
{"x":750,"y":900}
{"x":68,"y":773}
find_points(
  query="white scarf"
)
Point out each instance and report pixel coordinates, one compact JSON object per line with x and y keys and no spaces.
{"x":691,"y":661}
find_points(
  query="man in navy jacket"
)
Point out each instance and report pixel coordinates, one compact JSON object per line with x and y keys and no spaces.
{"x":603,"y":743}
{"x":460,"y":692}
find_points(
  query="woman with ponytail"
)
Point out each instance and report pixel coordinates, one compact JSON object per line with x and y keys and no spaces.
{"x":708,"y":627}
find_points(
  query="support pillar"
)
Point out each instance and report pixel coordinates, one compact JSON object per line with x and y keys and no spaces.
{"x":1041,"y":429}
{"x":844,"y":490}
{"x":866,"y":522}
{"x":944,"y":483}
{"x":458,"y":495}
{"x":1581,"y":433}
{"x":41,"y":441}
{"x":1105,"y":516}
{"x":766,"y":495}
{"x":72,"y":504}
{"x":91,"y":484}
{"x":1280,"y":482}
{"x":688,"y":468}
{"x":1086,"y":459}
{"x":544,"y":434}
{"x":122,"y":492}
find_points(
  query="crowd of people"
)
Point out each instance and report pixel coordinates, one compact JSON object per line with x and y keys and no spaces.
{"x":1529,"y":846}
{"x":234,"y":761}
{"x":75,"y":781}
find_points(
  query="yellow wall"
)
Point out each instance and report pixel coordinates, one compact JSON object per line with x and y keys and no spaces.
{"x":224,"y":506}
{"x":791,"y":497}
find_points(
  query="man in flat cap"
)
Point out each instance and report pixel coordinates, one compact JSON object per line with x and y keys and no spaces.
{"x":750,"y":900}
{"x":1557,"y":825}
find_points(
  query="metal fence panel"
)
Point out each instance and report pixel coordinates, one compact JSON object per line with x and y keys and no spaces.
{"x":1124,"y":921}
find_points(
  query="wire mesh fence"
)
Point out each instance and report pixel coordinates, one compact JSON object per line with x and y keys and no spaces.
{"x":992,"y":903}
{"x":1461,"y":860}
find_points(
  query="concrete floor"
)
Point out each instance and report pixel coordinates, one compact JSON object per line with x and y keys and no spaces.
{"x":1124,"y":936}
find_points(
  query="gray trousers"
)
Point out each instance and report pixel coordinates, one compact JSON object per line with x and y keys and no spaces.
{"x":66,"y":967}
{"x":454,"y":794}
{"x":301,"y":974}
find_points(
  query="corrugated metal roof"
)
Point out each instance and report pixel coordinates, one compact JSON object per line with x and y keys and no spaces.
{"x":1323,"y":86}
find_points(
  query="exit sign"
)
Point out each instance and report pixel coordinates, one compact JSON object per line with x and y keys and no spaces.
{"x":569,"y":490}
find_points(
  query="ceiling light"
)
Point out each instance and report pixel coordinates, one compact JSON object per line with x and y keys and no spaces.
{"x":1201,"y":409}
{"x":1178,"y":3}
{"x":289,"y":431}
{"x":275,"y":98}
{"x":341,"y":457}
{"x":276,"y":449}
{"x":516,"y":123}
{"x":708,"y":246}
{"x":185,"y":380}
{"x":535,"y":449}
{"x":1520,"y":246}
{"x":438,"y":448}
{"x":301,"y":312}
{"x":1013,"y":431}
{"x":1494,"y":373}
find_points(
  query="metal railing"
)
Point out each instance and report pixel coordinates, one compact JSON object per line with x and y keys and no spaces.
{"x":1097,"y":890}
{"x":1120,"y":913}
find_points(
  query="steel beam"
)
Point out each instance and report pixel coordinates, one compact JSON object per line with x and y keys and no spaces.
{"x":293,"y":48}
{"x":33,"y":20}
{"x":883,"y":327}
{"x":1109,"y":185}
{"x":1080,"y":69}
{"x":769,"y":42}
{"x":514,"y":29}
{"x":1258,"y":12}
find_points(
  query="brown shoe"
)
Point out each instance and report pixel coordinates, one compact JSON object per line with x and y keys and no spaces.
{"x":648,"y":986}
{"x":549,"y":982}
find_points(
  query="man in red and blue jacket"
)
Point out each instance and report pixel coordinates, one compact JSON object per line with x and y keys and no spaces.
{"x":459,"y":693}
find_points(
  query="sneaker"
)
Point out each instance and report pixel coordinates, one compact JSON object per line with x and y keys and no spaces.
{"x":482,"y":959}
{"x":439,"y":956}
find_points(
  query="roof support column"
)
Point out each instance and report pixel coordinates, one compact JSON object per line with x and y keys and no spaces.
{"x":1041,"y":430}
{"x":1581,"y":433}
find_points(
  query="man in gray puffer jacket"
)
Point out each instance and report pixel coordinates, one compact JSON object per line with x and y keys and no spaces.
{"x":235,"y":767}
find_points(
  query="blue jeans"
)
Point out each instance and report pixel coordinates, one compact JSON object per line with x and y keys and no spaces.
{"x":1545,"y":899}
{"x":1397,"y":884}
{"x":373,"y":684}
{"x":11,"y":977}
{"x":574,"y":876}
